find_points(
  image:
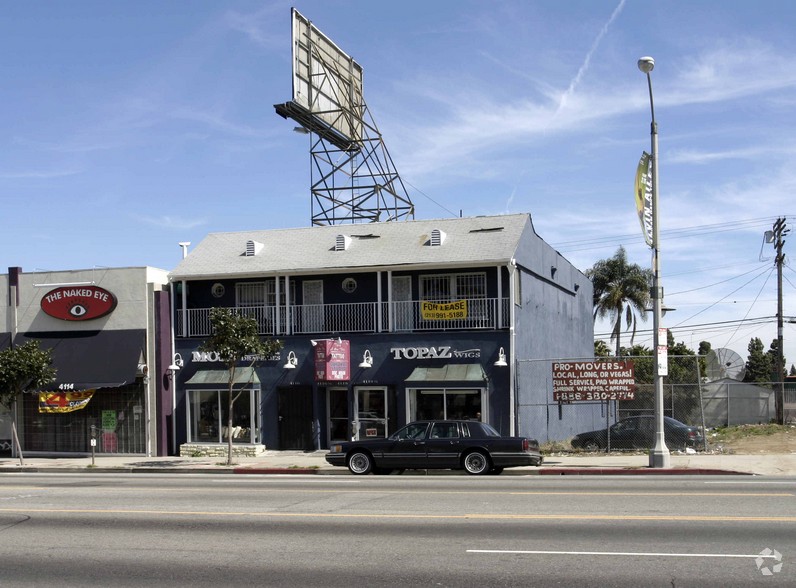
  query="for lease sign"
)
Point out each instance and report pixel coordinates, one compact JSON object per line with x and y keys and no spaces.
{"x":593,"y":380}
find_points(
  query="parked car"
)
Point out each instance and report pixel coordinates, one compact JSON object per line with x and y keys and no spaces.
{"x":470,"y":445}
{"x":638,"y":432}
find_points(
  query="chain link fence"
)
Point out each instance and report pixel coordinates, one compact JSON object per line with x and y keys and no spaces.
{"x":688,"y":398}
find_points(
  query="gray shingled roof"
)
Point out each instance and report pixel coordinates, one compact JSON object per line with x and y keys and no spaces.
{"x":475,"y":240}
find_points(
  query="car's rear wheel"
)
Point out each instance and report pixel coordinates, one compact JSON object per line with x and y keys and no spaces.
{"x":591,"y":446}
{"x":360,"y":463}
{"x":476,"y":463}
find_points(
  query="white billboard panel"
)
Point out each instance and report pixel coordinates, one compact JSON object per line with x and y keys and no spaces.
{"x":326,"y":81}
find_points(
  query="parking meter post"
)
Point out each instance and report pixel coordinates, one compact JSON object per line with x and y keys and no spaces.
{"x":93,"y":442}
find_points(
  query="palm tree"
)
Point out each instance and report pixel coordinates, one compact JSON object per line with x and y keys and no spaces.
{"x":621,"y":289}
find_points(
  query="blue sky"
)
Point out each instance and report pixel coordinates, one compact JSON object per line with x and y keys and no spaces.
{"x":130,"y":126}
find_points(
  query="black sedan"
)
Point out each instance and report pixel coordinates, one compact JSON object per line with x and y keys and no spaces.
{"x":639,"y":433}
{"x":469,"y":445}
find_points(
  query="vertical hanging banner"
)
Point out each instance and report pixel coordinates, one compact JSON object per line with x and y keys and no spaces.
{"x":332,"y":360}
{"x":644,"y":195}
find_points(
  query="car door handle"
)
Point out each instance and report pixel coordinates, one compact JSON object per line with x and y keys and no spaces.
{"x":420,"y":442}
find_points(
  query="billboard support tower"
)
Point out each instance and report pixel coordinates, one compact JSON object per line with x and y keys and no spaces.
{"x":353,"y":178}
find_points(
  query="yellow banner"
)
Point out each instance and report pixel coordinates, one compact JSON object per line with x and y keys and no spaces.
{"x":644,"y":195}
{"x":443,"y":311}
{"x":51,"y":402}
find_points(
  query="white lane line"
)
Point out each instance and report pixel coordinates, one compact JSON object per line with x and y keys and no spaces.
{"x":279,"y":479}
{"x":619,"y":553}
{"x":761,"y":482}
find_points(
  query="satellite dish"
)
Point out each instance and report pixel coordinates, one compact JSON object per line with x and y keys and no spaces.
{"x":724,"y":363}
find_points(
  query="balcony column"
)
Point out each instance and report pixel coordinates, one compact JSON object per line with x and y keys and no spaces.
{"x":390,"y":309}
{"x":379,"y":323}
{"x":277,"y":314}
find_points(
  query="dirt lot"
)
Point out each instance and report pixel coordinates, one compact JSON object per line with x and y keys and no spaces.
{"x":750,"y":439}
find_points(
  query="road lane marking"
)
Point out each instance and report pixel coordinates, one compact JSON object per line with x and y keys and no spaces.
{"x":116,"y":489}
{"x":467,"y":516}
{"x":621,"y":553}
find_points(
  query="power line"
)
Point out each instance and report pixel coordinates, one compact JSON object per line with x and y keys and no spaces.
{"x":681,"y":233}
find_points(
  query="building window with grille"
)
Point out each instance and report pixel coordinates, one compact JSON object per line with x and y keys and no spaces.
{"x":448,"y":287}
{"x":470,"y":287}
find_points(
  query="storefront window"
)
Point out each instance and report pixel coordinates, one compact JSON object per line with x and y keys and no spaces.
{"x":208,"y":416}
{"x":117,"y":415}
{"x":446,"y":404}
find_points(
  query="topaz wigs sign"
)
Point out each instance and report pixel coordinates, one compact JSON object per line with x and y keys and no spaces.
{"x":78,"y":303}
{"x":593,"y":380}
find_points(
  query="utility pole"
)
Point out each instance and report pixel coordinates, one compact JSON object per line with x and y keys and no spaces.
{"x":780,"y":231}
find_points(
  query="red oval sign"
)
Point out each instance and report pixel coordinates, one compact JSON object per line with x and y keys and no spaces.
{"x":78,"y":303}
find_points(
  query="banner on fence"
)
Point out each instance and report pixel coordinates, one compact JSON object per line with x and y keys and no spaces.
{"x":593,"y":380}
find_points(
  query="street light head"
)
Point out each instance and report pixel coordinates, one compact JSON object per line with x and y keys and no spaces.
{"x":646,"y":64}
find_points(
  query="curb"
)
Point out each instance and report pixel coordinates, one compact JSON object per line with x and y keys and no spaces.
{"x":543,"y":471}
{"x":639,"y":471}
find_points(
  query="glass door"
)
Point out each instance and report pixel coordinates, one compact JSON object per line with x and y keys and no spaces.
{"x":337,"y":409}
{"x":371,"y":413}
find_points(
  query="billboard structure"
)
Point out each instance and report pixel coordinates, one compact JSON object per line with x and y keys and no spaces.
{"x":353,"y":178}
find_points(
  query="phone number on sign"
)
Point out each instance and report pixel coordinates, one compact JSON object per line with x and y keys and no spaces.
{"x":576,"y":396}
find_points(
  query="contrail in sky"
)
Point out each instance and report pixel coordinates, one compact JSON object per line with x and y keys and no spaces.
{"x":585,"y":65}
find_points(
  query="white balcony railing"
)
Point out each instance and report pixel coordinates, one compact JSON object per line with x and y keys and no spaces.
{"x":360,"y":317}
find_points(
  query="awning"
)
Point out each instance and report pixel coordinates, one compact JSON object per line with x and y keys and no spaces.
{"x":243,"y":376}
{"x":452,"y":372}
{"x":91,"y":359}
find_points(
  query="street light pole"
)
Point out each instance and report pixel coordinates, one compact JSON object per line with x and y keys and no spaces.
{"x":659,"y":454}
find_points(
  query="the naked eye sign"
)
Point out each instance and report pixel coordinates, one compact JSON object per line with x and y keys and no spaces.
{"x":78,"y":303}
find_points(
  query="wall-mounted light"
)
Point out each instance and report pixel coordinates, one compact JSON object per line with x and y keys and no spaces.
{"x":367,"y":360}
{"x":553,"y":270}
{"x":501,"y":360}
{"x":292,"y":361}
{"x":577,"y":287}
{"x":176,"y":364}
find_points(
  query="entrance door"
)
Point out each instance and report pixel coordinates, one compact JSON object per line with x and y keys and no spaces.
{"x":337,"y":409}
{"x":371,"y":413}
{"x":295,"y":418}
{"x":312,"y":306}
{"x":403,"y":308}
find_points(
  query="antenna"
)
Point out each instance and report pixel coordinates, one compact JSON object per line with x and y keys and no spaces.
{"x":725,"y":363}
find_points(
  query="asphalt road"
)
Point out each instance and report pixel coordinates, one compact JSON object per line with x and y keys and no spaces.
{"x":207,"y":530}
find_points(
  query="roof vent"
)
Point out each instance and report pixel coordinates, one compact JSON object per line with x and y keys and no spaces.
{"x":342,"y":242}
{"x":253,"y":248}
{"x":437,"y":237}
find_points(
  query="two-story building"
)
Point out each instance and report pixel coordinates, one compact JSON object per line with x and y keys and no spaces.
{"x":381,"y":324}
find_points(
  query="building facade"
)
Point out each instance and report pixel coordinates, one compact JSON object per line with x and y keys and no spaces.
{"x":109,"y":334}
{"x":380,"y":324}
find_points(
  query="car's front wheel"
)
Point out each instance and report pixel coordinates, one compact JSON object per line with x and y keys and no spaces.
{"x":591,"y":446}
{"x":360,"y":463}
{"x":476,"y":463}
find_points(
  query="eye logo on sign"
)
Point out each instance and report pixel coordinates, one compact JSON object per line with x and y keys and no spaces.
{"x":78,"y":303}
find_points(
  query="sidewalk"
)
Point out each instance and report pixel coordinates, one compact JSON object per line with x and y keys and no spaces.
{"x":297,"y":462}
